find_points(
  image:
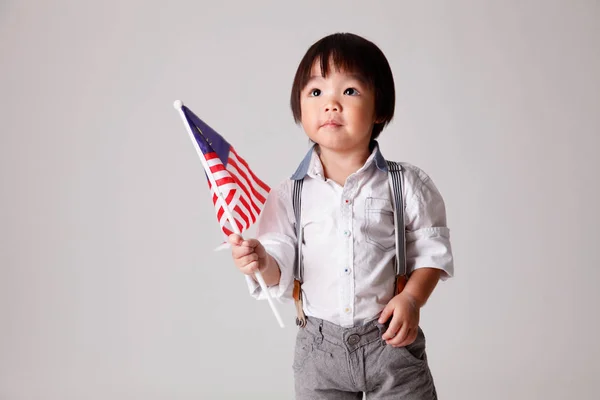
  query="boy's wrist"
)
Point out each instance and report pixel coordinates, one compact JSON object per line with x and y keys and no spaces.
{"x":412,"y":299}
{"x":270,"y":272}
{"x":420,"y":285}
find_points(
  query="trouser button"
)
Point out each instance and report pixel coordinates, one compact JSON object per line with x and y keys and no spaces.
{"x":353,"y":339}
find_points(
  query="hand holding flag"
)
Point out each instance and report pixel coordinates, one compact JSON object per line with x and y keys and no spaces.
{"x":237,"y":193}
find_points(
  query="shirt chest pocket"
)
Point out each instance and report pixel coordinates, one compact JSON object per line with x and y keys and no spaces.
{"x":379,"y":223}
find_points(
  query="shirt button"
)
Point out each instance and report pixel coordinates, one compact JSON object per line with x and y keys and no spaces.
{"x":347,"y":310}
{"x":346,"y":201}
{"x":346,"y":233}
{"x":347,"y":271}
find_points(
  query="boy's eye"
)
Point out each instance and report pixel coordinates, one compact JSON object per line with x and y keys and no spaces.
{"x":314,"y":92}
{"x":351,"y":92}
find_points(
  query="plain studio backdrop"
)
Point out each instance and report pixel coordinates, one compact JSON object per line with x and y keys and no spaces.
{"x":109,"y":285}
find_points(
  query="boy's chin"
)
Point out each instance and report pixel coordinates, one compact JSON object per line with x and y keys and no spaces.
{"x":341,"y":145}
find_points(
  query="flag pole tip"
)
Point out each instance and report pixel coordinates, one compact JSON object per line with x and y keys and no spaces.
{"x":177,"y":104}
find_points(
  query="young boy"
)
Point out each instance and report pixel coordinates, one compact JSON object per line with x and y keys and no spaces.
{"x":359,"y":336}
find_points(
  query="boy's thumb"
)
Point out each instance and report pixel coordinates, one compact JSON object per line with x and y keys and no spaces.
{"x":235,"y":239}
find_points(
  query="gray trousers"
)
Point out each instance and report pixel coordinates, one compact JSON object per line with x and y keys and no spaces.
{"x":331,"y":362}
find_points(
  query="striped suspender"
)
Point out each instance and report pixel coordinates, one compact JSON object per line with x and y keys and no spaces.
{"x":298,"y":270}
{"x":395,"y":178}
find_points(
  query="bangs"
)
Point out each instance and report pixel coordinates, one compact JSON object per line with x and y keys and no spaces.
{"x":340,"y":52}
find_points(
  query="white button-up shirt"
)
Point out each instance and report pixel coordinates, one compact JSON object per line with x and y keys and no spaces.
{"x":349,"y":242}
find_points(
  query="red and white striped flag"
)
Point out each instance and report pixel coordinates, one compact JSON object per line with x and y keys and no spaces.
{"x":243,"y":192}
{"x":238,"y":194}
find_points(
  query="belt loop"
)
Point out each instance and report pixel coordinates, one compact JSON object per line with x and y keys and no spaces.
{"x":319,"y":339}
{"x":382,"y":327}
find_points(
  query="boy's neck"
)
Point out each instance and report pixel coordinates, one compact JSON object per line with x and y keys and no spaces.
{"x":338,"y":166}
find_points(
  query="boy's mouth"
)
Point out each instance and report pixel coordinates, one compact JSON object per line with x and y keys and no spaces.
{"x":331,"y":124}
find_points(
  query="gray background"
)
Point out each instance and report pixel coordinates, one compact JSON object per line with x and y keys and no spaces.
{"x":109,"y":286}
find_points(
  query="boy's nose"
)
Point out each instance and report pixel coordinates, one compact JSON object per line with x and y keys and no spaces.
{"x":332,"y":105}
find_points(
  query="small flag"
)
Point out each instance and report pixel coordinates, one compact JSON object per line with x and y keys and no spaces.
{"x":244,"y":193}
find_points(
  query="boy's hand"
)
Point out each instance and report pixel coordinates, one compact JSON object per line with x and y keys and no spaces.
{"x":248,"y":255}
{"x":403,"y":328}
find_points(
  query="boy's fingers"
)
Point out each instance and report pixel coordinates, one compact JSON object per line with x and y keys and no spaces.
{"x":393,"y":329}
{"x":400,"y":336}
{"x":251,"y":242}
{"x":385,"y":314}
{"x":241,"y":251}
{"x":251,"y":268}
{"x":410,"y":337}
{"x":244,"y":261}
{"x":255,"y":244}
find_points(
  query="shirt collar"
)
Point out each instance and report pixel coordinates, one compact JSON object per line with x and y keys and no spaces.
{"x":306,"y":163}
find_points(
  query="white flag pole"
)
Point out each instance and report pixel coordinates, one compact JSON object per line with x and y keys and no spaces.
{"x":263,"y":285}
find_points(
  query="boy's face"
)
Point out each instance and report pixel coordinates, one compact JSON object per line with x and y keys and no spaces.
{"x":338,"y":112}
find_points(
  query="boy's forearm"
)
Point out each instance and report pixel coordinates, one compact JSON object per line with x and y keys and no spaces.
{"x":421,"y":283}
{"x":271,"y":274}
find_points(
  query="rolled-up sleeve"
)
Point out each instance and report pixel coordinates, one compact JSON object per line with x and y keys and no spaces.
{"x":427,"y":234}
{"x":275,"y":231}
